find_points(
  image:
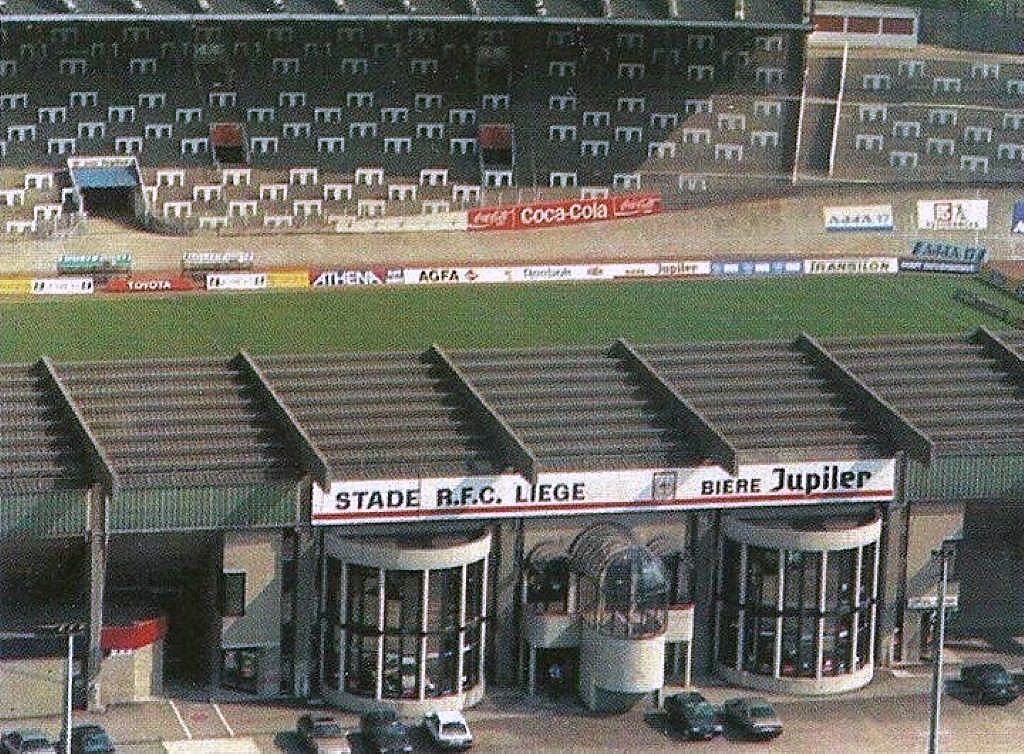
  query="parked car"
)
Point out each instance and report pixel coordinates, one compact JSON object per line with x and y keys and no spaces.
{"x":989,"y":683}
{"x":322,"y":734}
{"x":448,"y":729}
{"x":691,"y":714}
{"x":87,"y":738}
{"x":23,"y":740}
{"x":753,"y":716}
{"x":384,"y":733}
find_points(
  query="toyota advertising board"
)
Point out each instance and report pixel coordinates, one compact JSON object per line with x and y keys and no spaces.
{"x":557,"y":494}
{"x":148,"y":284}
{"x":952,"y":214}
{"x":561,"y":213}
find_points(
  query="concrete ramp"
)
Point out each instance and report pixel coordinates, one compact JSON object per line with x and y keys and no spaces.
{"x":212,"y":746}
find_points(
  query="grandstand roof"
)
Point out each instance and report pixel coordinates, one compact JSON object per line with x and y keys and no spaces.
{"x":709,"y":13}
{"x":220,"y":421}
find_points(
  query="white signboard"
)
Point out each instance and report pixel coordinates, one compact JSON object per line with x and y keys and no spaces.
{"x":952,"y":214}
{"x":554,"y":272}
{"x":852,"y":266}
{"x":560,"y":494}
{"x":236,"y":281}
{"x":868,"y":217}
{"x":68,"y":286}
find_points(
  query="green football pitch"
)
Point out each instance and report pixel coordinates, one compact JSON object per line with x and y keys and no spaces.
{"x":487,"y":315}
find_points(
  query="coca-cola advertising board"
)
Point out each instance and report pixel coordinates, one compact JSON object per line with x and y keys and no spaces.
{"x":561,"y":213}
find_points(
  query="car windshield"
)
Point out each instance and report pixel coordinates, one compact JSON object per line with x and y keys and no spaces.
{"x":454,"y":729}
{"x":703,"y":709}
{"x":35,"y":744}
{"x":394,"y":729}
{"x":997,"y":677}
{"x":761,"y":710}
{"x":96,"y":742}
{"x":327,"y":730}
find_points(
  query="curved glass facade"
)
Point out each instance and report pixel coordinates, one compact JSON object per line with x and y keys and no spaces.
{"x":403,"y":634}
{"x":788,"y":613}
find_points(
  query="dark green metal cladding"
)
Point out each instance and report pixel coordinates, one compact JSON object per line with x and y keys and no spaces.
{"x":176,"y":508}
{"x":996,"y":477}
{"x":60,"y":512}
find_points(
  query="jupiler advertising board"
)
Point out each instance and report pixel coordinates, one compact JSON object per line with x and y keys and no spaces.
{"x":636,"y":490}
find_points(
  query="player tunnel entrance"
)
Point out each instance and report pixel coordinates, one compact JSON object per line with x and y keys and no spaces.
{"x":108,"y":187}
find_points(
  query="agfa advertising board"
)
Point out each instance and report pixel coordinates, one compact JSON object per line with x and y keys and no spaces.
{"x":1017,"y":224}
{"x":559,"y":494}
{"x":553,"y":272}
{"x":568,"y":212}
{"x":867,"y":217}
{"x":952,"y":214}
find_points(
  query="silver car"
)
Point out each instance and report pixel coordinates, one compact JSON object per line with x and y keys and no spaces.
{"x":753,"y":715}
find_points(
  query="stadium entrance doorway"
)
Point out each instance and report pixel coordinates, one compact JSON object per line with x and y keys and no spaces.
{"x":108,"y":187}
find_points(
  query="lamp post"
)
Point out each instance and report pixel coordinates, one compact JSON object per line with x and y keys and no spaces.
{"x":70,"y":630}
{"x":944,"y":554}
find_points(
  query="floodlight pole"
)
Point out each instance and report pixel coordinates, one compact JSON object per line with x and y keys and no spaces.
{"x":940,"y":638}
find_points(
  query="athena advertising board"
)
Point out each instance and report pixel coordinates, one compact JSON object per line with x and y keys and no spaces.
{"x":560,"y":494}
{"x":1017,"y":222}
{"x":867,"y":217}
{"x":952,"y":214}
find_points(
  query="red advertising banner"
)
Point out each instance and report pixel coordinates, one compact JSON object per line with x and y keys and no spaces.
{"x":568,"y":212}
{"x":154,"y":284}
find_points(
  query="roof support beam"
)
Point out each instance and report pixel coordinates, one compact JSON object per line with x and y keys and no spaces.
{"x":1009,"y":358}
{"x":513,"y":449}
{"x":297,"y":436}
{"x":878,"y":413}
{"x":103,"y":469}
{"x":713,"y":443}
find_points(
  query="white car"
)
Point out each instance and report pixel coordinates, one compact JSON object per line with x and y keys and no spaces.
{"x":449,"y":729}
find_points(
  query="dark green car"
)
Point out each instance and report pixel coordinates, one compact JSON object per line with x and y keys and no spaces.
{"x":691,"y":715}
{"x":88,"y":739}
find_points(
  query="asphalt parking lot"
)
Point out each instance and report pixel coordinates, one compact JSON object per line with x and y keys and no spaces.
{"x":890,"y":715}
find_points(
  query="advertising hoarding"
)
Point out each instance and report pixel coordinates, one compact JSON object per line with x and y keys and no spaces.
{"x":288,"y":278}
{"x":952,"y":214}
{"x":15,"y":286}
{"x":236,"y":281}
{"x":150,"y":284}
{"x":861,"y":217}
{"x":560,"y":213}
{"x":555,"y":494}
{"x":68,"y":286}
{"x":851,"y":266}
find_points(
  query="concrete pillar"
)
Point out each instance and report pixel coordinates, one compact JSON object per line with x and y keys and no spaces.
{"x":505,"y":615}
{"x":305,"y":652}
{"x":891,"y":578}
{"x":704,"y":544}
{"x":97,"y":500}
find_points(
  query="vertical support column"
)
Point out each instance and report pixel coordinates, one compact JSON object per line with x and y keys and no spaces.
{"x":505,"y":573}
{"x":305,"y":607}
{"x":822,"y":589}
{"x":741,"y":614}
{"x":423,"y":639}
{"x":779,"y":605}
{"x":705,"y":549}
{"x":378,"y":693}
{"x":890,"y":580}
{"x":97,"y":500}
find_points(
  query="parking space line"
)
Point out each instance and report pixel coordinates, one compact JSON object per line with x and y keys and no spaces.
{"x":181,"y":720}
{"x":223,"y":720}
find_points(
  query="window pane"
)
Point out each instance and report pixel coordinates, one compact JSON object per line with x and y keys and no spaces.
{"x":361,"y":665}
{"x":730,"y":571}
{"x":547,"y":585}
{"x":839,"y":580}
{"x":442,"y":663}
{"x":445,"y":597}
{"x":762,"y":577}
{"x":799,"y":646}
{"x":401,"y":667}
{"x":475,"y":590}
{"x":728,"y":634}
{"x":403,"y":591}
{"x":471,"y":657}
{"x":863,"y":637}
{"x":759,"y":644}
{"x":363,"y":597}
{"x":232,"y":595}
{"x":867,"y":574}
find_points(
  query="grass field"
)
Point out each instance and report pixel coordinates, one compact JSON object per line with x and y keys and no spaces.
{"x":486,"y":315}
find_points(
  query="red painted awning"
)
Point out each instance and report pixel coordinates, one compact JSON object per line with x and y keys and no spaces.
{"x":134,"y":635}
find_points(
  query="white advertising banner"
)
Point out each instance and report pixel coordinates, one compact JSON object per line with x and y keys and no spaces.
{"x":952,"y":214}
{"x":235,"y":281}
{"x":63,"y":286}
{"x":867,"y":217}
{"x":852,"y":266}
{"x":554,"y":272}
{"x":561,"y":494}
